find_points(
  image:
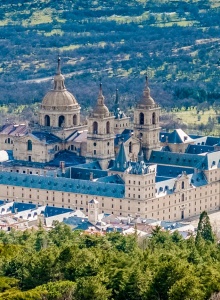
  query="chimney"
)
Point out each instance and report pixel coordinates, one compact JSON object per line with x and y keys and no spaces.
{"x":62,"y":166}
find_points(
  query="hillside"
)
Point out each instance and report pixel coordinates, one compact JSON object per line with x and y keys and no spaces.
{"x":177,"y":42}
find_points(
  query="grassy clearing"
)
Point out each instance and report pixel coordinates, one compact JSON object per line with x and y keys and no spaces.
{"x":191,"y":116}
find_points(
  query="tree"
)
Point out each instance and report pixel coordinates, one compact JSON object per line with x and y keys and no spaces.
{"x":204,"y":229}
{"x":91,"y":288}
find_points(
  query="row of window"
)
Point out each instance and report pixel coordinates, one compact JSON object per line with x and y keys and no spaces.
{"x":95,"y":127}
{"x":61,"y":120}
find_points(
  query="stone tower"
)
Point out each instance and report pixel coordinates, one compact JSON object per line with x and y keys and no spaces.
{"x":93,"y":211}
{"x":146,"y":122}
{"x":100,"y":137}
{"x":59,"y":108}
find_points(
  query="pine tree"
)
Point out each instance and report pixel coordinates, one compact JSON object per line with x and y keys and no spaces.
{"x":204,"y":230}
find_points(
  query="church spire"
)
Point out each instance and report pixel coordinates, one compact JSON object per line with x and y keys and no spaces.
{"x":100,"y":96}
{"x":58,"y":66}
{"x":121,"y":161}
{"x":59,"y":78}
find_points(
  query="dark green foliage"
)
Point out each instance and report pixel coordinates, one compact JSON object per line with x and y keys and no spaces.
{"x":204,"y":230}
{"x":62,"y":264}
{"x":177,"y":41}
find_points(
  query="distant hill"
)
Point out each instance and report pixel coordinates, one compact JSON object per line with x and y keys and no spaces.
{"x":177,"y":42}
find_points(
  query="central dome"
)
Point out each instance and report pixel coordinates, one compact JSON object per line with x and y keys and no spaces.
{"x":59,"y":98}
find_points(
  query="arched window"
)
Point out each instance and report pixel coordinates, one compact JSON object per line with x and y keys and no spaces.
{"x":61,"y":121}
{"x":182,"y":197}
{"x":153,"y":118}
{"x":47,"y":120}
{"x":183,"y":185}
{"x":29,"y":145}
{"x":75,"y":120}
{"x":141,"y":118}
{"x":95,"y":128}
{"x":130,"y":147}
{"x":108,"y":127}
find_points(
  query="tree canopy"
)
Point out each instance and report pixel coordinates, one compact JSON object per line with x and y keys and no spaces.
{"x":62,"y":264}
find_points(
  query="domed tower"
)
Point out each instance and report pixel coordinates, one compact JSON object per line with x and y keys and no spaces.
{"x":146,"y":122}
{"x":100,"y":137}
{"x":59,"y":108}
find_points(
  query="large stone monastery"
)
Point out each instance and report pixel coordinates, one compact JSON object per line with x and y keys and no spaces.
{"x":128,"y":169}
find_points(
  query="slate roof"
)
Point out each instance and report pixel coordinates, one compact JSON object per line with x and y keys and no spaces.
{"x":94,"y":165}
{"x":77,"y":136}
{"x":124,"y":136}
{"x":210,"y":160}
{"x":198,"y":179}
{"x":111,"y":179}
{"x":19,"y":206}
{"x":70,"y":159}
{"x":211,"y":140}
{"x":172,"y":171}
{"x":2,"y":202}
{"x":165,"y":187}
{"x":208,"y":141}
{"x":51,"y":211}
{"x":121,"y":161}
{"x":197,"y":149}
{"x":85,"y":173}
{"x":16,"y":207}
{"x":47,"y":137}
{"x":178,"y":136}
{"x":78,"y":223}
{"x":14,"y":129}
{"x":180,"y":159}
{"x":63,"y":184}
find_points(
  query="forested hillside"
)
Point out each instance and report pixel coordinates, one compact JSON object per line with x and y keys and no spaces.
{"x":62,"y":264}
{"x":177,"y":42}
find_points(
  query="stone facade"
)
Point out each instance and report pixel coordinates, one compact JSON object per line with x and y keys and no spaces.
{"x":136,"y":177}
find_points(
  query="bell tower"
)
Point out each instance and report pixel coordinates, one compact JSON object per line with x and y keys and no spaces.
{"x":100,"y":137}
{"x":146,"y":122}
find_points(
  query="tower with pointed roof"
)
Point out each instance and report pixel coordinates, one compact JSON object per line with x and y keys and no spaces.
{"x":93,"y":211}
{"x":121,"y":121}
{"x":100,"y":137}
{"x":59,"y":109}
{"x":146,"y":122}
